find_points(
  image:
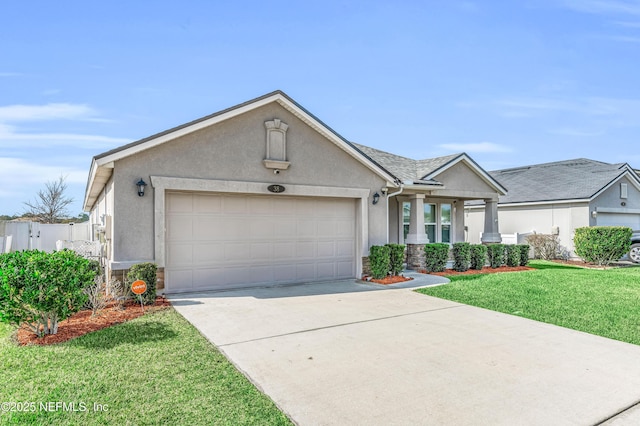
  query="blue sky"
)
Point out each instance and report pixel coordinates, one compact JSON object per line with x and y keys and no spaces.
{"x":510,"y":83}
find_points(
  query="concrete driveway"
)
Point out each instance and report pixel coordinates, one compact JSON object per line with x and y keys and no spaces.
{"x":351,"y":354}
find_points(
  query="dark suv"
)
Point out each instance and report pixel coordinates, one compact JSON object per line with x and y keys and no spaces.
{"x":634,"y":253}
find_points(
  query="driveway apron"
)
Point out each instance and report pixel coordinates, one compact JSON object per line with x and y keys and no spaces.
{"x":345,"y":353}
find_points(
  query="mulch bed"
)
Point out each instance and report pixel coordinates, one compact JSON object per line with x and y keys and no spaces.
{"x":395,"y":279}
{"x":485,"y":270}
{"x":83,"y":322}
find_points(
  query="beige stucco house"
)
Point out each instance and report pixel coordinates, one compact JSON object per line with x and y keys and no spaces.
{"x":264,"y":192}
{"x":558,"y":197}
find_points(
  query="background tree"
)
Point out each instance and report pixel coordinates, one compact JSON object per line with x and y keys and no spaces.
{"x":50,"y":205}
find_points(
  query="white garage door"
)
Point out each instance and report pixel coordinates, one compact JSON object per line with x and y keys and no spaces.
{"x":216,"y":241}
{"x":632,"y":220}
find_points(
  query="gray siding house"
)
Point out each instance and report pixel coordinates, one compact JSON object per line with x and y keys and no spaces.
{"x":264,"y":192}
{"x":556,"y":198}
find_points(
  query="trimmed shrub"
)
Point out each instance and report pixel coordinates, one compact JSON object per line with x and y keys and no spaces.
{"x":436,"y":255}
{"x":147,"y":273}
{"x":39,"y":289}
{"x":495,"y":252}
{"x":396,"y":258}
{"x":461,"y":256}
{"x":478,"y":256}
{"x":379,"y":260}
{"x":602,"y":244}
{"x":545,"y":246}
{"x":524,"y":254}
{"x":512,"y":255}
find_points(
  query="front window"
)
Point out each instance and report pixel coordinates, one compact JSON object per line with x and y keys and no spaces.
{"x":430,"y":221}
{"x":406,"y":210}
{"x":445,"y":223}
{"x":436,"y":226}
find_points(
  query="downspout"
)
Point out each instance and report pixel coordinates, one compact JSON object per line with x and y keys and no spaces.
{"x":393,"y":194}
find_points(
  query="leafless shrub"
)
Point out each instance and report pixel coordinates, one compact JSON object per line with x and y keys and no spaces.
{"x":117,"y":291}
{"x":545,"y":246}
{"x":96,"y":295}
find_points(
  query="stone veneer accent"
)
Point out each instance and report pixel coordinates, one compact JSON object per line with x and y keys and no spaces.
{"x":416,"y":259}
{"x":366,"y":266}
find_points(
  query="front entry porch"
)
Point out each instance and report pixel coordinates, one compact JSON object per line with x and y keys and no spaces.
{"x":424,"y":219}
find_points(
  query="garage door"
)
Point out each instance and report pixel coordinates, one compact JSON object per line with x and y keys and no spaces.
{"x":217,"y":241}
{"x":632,"y":220}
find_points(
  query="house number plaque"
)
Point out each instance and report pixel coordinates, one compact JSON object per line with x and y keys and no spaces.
{"x":275,"y":188}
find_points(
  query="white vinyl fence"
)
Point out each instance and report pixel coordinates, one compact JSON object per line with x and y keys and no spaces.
{"x":40,"y":236}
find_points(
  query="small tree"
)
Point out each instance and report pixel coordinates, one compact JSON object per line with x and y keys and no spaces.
{"x":602,"y":244}
{"x":50,"y":205}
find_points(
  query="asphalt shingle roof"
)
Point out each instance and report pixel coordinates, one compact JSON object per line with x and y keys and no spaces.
{"x":406,"y":169}
{"x":563,"y":180}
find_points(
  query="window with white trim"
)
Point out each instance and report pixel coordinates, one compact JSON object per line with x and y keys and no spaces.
{"x":436,"y":226}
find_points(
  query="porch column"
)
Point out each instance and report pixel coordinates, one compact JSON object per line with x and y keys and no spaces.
{"x":458,"y":221}
{"x":491,"y":232}
{"x":417,"y":237}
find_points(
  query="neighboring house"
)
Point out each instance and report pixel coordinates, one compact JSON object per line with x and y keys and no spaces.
{"x":264,"y":192}
{"x":558,"y":197}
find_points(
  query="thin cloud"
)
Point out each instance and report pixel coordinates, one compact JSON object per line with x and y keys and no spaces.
{"x":624,"y":39}
{"x":54,"y":111}
{"x":9,"y":136}
{"x":575,"y":132}
{"x":627,"y":24}
{"x":601,"y":107}
{"x":15,"y":172}
{"x":475,"y":147}
{"x":9,"y":74}
{"x":604,"y":7}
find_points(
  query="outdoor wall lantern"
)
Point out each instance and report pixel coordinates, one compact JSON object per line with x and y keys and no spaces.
{"x":141,"y":184}
{"x":376,"y":197}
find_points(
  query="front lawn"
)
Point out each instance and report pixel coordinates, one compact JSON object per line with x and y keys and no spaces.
{"x":156,"y":369}
{"x":602,"y":302}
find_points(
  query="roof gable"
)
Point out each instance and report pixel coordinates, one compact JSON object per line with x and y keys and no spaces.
{"x":425,"y":172}
{"x":102,"y":164}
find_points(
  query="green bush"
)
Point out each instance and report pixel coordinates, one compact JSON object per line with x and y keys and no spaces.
{"x":396,"y":258}
{"x":147,"y":273}
{"x":478,"y":256}
{"x":602,"y":244}
{"x":495,"y":252}
{"x":512,"y":255}
{"x":39,"y":289}
{"x":379,"y":261}
{"x":436,"y":255}
{"x":461,"y":256}
{"x":524,"y":254}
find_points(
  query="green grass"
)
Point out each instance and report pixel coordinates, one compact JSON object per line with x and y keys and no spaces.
{"x":156,"y":369}
{"x":601,"y":302}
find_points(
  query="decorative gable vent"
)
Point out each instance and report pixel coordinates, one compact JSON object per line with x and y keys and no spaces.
{"x":623,"y":190}
{"x":276,"y":145}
